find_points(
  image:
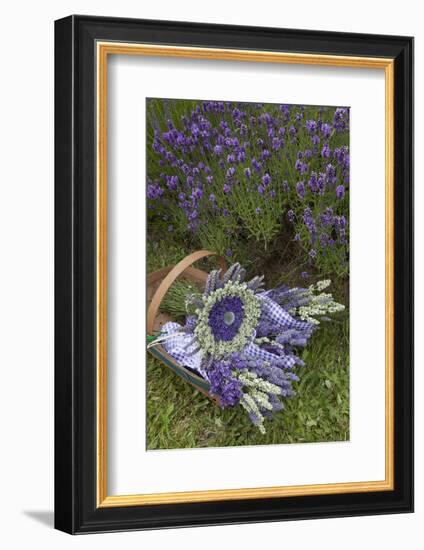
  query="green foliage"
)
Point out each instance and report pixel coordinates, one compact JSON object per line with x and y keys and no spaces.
{"x":240,"y":216}
{"x":174,"y":301}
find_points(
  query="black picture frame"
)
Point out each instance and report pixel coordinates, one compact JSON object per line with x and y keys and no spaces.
{"x":76,"y":508}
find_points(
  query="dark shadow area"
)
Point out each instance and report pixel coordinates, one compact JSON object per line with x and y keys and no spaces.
{"x":42,"y":516}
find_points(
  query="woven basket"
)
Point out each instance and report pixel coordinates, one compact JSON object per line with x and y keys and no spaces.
{"x":158,"y":284}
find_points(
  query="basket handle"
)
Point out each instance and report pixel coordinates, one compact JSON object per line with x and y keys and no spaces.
{"x":174,"y":273}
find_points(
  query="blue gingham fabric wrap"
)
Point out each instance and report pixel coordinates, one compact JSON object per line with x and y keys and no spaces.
{"x":177,"y":343}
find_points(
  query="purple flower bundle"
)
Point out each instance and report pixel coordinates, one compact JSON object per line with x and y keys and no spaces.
{"x":244,"y":340}
{"x":251,"y":172}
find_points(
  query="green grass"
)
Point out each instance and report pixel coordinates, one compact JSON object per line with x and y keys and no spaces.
{"x":178,"y":416}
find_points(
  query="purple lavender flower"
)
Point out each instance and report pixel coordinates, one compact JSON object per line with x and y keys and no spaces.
{"x":285,"y":109}
{"x":172,"y":182}
{"x":223,"y":384}
{"x":325,"y":130}
{"x":197,"y":193}
{"x":315,"y":139}
{"x":327,"y":218}
{"x":301,"y":167}
{"x":310,"y":224}
{"x":266,"y":179}
{"x":247,"y":172}
{"x":265,"y":154}
{"x":320,"y":184}
{"x":313,"y":182}
{"x":300,"y":189}
{"x":276,"y":143}
{"x":340,"y":222}
{"x":311,"y":126}
{"x":341,"y":154}
{"x":154,"y":191}
{"x":291,"y":216}
{"x":325,"y":151}
{"x":340,"y":119}
{"x":237,"y":114}
{"x":256,"y":165}
{"x":340,"y":191}
{"x":241,"y":156}
{"x":330,"y":174}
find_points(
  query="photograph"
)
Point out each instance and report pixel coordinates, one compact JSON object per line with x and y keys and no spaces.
{"x":256,"y":333}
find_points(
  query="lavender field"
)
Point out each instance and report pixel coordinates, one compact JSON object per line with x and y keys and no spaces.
{"x":265,"y":185}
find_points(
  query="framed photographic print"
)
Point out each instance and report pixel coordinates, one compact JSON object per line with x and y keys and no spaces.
{"x":234,"y":274}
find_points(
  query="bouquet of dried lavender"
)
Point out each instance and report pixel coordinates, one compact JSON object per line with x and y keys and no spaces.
{"x":244,"y":340}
